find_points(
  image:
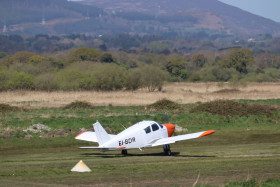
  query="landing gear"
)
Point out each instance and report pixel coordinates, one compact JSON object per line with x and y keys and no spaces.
{"x":166,"y":149}
{"x":124,"y":152}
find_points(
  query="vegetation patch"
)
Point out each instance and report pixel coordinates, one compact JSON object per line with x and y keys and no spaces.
{"x":253,"y":183}
{"x":78,"y":105}
{"x":5,"y":108}
{"x":165,"y":104}
{"x":227,"y":90}
{"x":233,"y":108}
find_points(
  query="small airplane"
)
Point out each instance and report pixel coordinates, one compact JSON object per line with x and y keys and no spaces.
{"x":140,"y":135}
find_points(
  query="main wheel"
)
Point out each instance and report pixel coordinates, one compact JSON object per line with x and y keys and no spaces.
{"x":166,"y":149}
{"x":124,"y":152}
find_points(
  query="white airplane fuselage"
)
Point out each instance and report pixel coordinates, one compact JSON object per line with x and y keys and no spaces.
{"x":141,"y":135}
{"x":136,"y":136}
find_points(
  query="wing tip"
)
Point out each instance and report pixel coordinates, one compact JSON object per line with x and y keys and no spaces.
{"x":79,"y":135}
{"x":207,"y":133}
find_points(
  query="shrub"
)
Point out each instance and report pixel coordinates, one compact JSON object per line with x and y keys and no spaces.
{"x":20,"y":80}
{"x":195,"y":77}
{"x":3,"y":54}
{"x":21,"y":57}
{"x":134,"y":79}
{"x":71,"y":79}
{"x":84,"y":54}
{"x":165,"y":104}
{"x":78,"y":105}
{"x":46,"y":82}
{"x":109,"y":77}
{"x":232,"y":108}
{"x":153,"y":78}
{"x":5,"y":108}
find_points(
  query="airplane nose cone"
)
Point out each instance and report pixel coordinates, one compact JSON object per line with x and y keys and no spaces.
{"x":170,"y":128}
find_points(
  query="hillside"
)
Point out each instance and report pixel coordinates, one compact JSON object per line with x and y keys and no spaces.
{"x":211,"y":14}
{"x":208,"y":19}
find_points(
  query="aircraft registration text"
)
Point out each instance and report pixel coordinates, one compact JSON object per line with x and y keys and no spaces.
{"x":127,"y":141}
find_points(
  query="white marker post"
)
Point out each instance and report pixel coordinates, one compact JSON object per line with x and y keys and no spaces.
{"x":81,"y":167}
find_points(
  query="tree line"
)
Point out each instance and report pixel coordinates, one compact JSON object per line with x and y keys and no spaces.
{"x":92,"y":69}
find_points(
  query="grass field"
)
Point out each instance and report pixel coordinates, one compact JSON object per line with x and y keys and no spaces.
{"x":183,"y":93}
{"x":244,"y":149}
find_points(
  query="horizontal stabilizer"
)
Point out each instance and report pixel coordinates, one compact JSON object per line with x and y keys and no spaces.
{"x":104,"y":148}
{"x":89,"y":136}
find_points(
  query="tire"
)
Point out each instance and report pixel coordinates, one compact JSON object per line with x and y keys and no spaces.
{"x":166,"y":149}
{"x":124,"y":152}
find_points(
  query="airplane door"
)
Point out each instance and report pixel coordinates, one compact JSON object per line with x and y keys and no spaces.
{"x":153,"y":132}
{"x":149,"y":134}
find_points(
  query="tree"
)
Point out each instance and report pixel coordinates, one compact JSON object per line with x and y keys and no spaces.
{"x":3,"y":54}
{"x":84,"y":54}
{"x":199,"y":60}
{"x":239,"y":59}
{"x":267,"y":60}
{"x":107,"y":58}
{"x":22,"y":57}
{"x":109,"y":77}
{"x":176,"y":68}
{"x":134,"y":79}
{"x":153,"y":78}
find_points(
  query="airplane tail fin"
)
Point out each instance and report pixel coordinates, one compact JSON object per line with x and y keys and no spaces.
{"x":101,"y":134}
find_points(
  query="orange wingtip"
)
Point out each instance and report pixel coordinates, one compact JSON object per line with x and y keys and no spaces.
{"x":121,"y":147}
{"x":79,"y":134}
{"x":207,"y":133}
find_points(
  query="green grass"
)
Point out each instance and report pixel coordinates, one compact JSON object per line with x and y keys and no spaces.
{"x":244,"y":151}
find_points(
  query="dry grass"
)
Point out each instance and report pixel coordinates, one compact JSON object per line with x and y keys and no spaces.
{"x":181,"y":93}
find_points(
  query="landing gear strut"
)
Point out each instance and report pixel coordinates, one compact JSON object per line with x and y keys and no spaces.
{"x":166,"y":149}
{"x":124,"y":152}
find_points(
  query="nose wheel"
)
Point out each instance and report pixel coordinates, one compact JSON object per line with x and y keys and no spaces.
{"x":166,"y":149}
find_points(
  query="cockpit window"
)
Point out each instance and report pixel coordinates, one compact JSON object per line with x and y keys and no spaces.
{"x":160,"y":125}
{"x":155,"y":127}
{"x":147,"y":129}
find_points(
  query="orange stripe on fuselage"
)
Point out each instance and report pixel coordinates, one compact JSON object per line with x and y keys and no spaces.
{"x":121,"y":147}
{"x":207,"y":133}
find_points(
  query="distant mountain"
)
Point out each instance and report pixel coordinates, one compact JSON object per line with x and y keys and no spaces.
{"x":39,"y":16}
{"x":211,"y":14}
{"x":209,"y":19}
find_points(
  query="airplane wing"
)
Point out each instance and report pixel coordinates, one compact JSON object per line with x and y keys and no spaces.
{"x":89,"y":136}
{"x":174,"y":139}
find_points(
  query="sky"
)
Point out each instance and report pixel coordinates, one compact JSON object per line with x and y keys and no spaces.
{"x":265,"y":8}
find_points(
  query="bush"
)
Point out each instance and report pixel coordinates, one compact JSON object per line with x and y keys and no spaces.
{"x":46,"y":82}
{"x":20,"y":80}
{"x":195,"y":77}
{"x":134,"y":79}
{"x":84,"y":54}
{"x":78,"y":105}
{"x":165,"y":104}
{"x":153,"y":78}
{"x":71,"y":79}
{"x":109,"y":77}
{"x":232,"y":108}
{"x":5,"y":108}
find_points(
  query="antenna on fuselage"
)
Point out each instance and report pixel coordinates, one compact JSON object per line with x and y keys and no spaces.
{"x":123,"y":126}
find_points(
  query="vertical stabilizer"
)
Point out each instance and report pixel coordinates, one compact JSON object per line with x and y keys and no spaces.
{"x":101,"y":134}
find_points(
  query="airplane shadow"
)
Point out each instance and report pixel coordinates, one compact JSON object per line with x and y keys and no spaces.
{"x":174,"y":154}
